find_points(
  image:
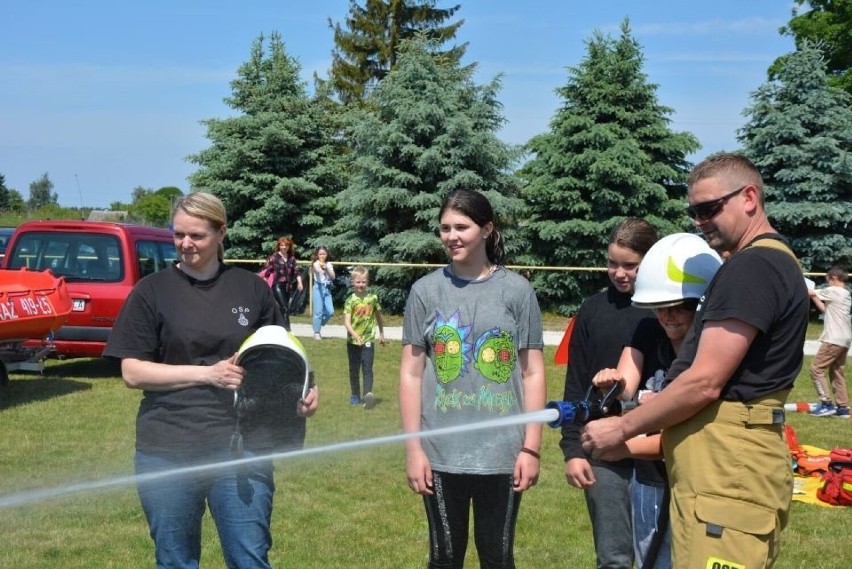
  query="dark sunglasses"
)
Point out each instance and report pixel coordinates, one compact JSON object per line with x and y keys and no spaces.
{"x":706,"y":211}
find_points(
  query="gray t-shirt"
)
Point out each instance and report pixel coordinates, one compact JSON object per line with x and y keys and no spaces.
{"x":472,"y":332}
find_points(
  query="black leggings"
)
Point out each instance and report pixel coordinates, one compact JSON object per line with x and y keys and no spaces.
{"x":495,"y":511}
{"x":282,"y":297}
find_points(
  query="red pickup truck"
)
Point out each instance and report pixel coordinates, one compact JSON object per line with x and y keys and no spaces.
{"x":100,"y":262}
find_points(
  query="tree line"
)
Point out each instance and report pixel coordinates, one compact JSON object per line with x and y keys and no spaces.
{"x":362,"y":162}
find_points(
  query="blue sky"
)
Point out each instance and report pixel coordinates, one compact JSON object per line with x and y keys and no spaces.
{"x":106,"y":96}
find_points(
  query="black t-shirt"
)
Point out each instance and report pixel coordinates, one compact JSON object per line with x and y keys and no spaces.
{"x":764,"y":288}
{"x":657,"y":351}
{"x":657,"y":355}
{"x":604,"y":325}
{"x":172,"y":318}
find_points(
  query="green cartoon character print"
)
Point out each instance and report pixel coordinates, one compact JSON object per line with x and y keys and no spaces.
{"x":495,"y":355}
{"x":450,"y":347}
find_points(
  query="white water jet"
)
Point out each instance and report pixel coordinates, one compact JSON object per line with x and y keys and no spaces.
{"x":34,"y":496}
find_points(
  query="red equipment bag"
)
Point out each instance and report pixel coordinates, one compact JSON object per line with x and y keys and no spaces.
{"x":837,"y":486}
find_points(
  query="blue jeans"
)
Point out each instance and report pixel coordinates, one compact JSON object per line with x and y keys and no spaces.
{"x":323,"y":307}
{"x":646,"y":501}
{"x":240,"y":502}
{"x":608,"y":501}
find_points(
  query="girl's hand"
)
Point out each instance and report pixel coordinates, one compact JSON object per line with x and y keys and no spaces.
{"x":526,"y":471}
{"x":419,"y":472}
{"x":579,"y":473}
{"x":606,"y":378}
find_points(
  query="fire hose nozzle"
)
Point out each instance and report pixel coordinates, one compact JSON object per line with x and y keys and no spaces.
{"x":567,"y":412}
{"x":581,"y":412}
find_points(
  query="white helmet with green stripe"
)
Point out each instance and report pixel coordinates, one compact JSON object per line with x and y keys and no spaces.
{"x":678,"y":267}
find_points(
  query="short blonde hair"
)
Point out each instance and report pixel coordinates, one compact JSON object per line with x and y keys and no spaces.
{"x":204,"y":206}
{"x":360,"y":271}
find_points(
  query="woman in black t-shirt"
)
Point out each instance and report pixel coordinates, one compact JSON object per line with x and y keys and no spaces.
{"x":177,"y":337}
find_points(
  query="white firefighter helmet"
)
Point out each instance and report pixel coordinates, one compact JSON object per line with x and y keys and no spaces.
{"x":676,"y":268}
{"x":274,"y":352}
{"x":277,"y":376}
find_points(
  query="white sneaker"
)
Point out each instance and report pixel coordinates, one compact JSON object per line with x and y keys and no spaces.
{"x":369,"y":400}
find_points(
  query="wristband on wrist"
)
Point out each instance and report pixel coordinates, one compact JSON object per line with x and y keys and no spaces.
{"x":531,"y":452}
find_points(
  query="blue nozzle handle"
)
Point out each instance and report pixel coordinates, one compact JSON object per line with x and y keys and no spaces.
{"x":567,"y":413}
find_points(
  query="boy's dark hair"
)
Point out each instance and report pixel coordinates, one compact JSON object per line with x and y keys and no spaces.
{"x":837,"y":272}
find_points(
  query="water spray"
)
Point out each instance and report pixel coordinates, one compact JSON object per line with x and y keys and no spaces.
{"x":555,"y":414}
{"x":34,"y":496}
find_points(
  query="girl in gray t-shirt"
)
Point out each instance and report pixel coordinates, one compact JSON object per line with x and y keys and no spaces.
{"x":472,"y":352}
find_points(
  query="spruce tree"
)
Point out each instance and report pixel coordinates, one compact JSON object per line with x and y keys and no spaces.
{"x":609,"y":154}
{"x":427,"y":130}
{"x":270,"y":165}
{"x":799,"y":135}
{"x":366,"y":48}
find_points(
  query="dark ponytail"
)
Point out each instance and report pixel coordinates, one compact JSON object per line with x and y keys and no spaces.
{"x":494,"y":248}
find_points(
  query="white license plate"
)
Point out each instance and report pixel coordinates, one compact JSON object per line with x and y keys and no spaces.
{"x":78,"y":305}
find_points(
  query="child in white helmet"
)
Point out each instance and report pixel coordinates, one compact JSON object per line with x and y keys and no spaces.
{"x":671,"y":280}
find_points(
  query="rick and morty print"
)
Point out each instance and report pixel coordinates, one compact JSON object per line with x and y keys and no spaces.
{"x":494,"y":353}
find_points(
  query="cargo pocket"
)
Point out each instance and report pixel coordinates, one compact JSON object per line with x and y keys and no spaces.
{"x":731,"y":533}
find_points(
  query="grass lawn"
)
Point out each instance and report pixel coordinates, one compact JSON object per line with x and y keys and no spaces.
{"x":345,"y":509}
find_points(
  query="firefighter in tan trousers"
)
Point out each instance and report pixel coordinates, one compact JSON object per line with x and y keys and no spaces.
{"x":721,"y":411}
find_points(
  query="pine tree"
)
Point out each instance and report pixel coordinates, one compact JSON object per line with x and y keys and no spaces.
{"x":366,"y":49}
{"x":270,"y":164}
{"x":609,"y":154}
{"x":799,"y":135}
{"x":427,"y":130}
